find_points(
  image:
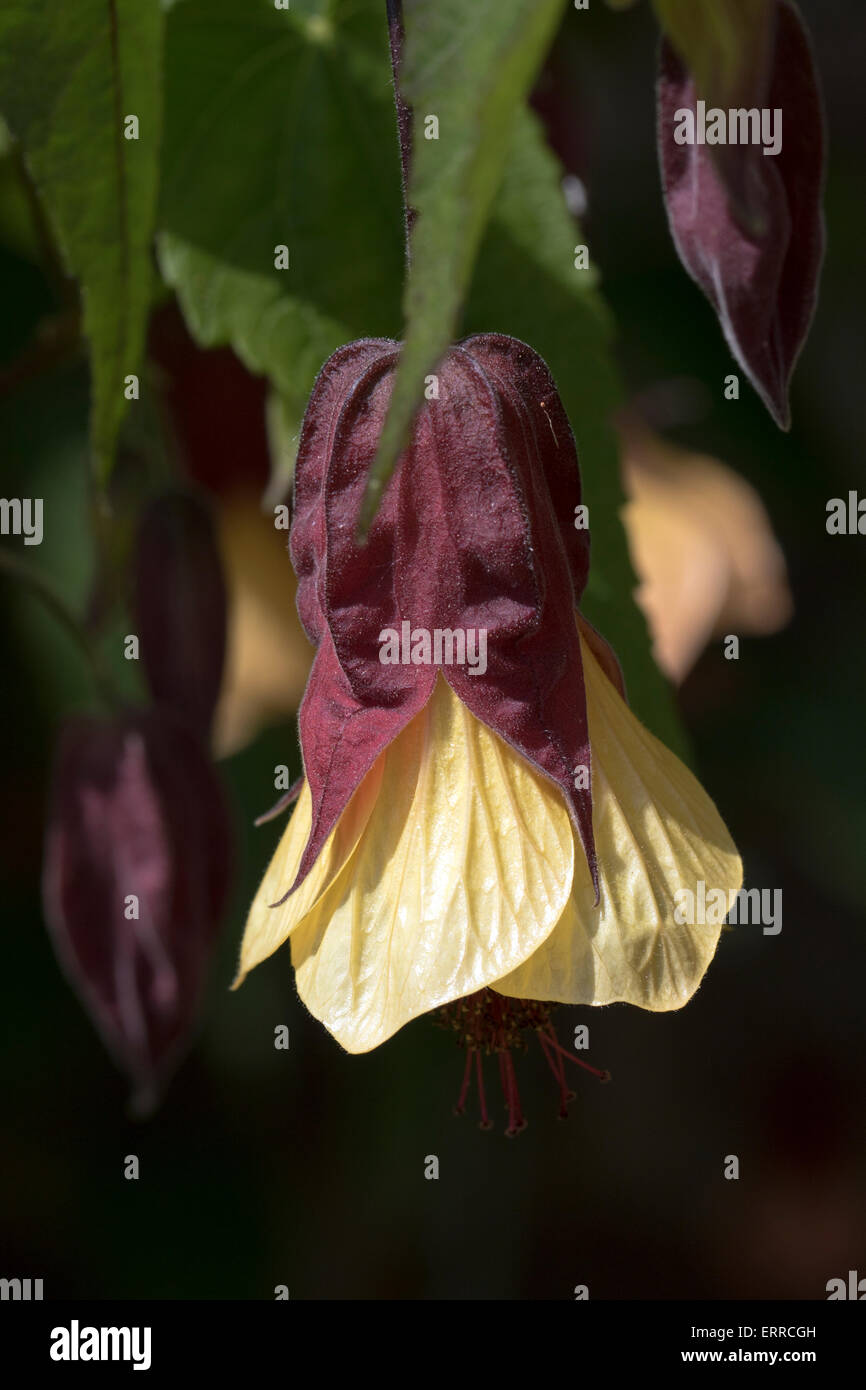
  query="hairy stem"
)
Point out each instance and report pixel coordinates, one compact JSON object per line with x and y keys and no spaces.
{"x":404,"y":114}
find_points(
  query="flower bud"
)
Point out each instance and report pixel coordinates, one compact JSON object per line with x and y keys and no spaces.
{"x":759,"y":270}
{"x":135,"y":880}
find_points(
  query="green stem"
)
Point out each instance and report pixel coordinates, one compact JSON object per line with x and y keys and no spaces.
{"x":396,"y":36}
{"x":39,"y":586}
{"x":62,"y":282}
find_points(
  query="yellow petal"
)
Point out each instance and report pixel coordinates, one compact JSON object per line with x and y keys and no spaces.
{"x":268,"y":926}
{"x":656,"y":831}
{"x":463,"y":869}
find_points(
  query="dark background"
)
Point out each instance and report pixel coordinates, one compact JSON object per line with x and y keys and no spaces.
{"x":306,"y":1167}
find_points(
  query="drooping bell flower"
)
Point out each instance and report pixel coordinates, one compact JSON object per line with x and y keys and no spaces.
{"x":482,"y":818}
{"x":135,"y":881}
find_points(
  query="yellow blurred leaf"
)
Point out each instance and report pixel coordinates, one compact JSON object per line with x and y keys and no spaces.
{"x":703,"y":548}
{"x":268,"y":657}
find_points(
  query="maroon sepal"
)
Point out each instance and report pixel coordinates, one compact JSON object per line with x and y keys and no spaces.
{"x":476,"y":532}
{"x":759,"y":272}
{"x":135,"y":881}
{"x":179,"y":606}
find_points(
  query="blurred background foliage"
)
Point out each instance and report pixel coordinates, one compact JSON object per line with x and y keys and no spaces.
{"x":305,"y":1167}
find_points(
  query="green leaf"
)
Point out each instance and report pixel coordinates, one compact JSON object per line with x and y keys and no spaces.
{"x":67,"y":83}
{"x":283,"y":431}
{"x":526,"y":284}
{"x":280,"y":131}
{"x":470,"y":66}
{"x":724,"y":43}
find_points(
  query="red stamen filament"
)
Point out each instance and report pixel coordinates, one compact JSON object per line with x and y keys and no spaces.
{"x":460,"y":1108}
{"x":488,"y":1022}
{"x":486,"y":1122}
{"x":569,"y":1056}
{"x":516,"y":1121}
{"x":556,"y":1067}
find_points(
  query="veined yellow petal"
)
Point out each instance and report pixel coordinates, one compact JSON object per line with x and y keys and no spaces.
{"x":463,"y":869}
{"x":267,"y":926}
{"x":656,"y":831}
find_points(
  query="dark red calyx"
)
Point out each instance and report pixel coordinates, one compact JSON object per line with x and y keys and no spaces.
{"x":476,"y":534}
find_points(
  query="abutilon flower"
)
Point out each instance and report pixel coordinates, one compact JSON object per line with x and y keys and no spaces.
{"x":484,"y":842}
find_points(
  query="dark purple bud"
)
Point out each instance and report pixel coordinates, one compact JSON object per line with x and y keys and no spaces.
{"x":135,"y":881}
{"x":179,"y":607}
{"x":748,"y":224}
